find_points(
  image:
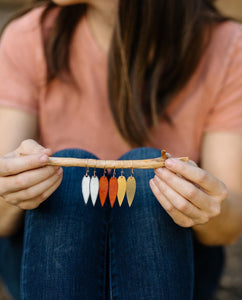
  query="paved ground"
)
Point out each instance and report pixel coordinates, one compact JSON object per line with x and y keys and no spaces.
{"x":231,"y":283}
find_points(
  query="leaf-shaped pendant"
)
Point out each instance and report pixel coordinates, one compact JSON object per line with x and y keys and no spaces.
{"x":86,"y":187}
{"x":122,"y":184}
{"x":130,"y":190}
{"x":103,"y":189}
{"x":113,"y":190}
{"x":94,"y":188}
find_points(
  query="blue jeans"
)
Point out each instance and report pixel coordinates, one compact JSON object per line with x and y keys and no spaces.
{"x":75,"y":251}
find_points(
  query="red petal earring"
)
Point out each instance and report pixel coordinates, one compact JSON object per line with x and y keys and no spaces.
{"x":113,"y":188}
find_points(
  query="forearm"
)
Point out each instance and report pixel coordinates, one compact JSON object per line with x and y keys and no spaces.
{"x":225,"y":228}
{"x":11,"y":219}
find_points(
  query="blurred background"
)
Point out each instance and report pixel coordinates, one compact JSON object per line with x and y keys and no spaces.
{"x":231,"y":283}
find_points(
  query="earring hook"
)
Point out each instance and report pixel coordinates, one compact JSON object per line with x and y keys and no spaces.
{"x":132,"y":169}
{"x":87,"y":168}
{"x":114,"y":170}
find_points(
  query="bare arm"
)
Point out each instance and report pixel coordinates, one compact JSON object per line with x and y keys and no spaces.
{"x":25,"y":181}
{"x":15,"y":126}
{"x":222,"y":157}
{"x":209,"y":199}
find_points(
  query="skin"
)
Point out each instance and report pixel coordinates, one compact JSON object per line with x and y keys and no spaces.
{"x":101,"y":17}
{"x":208,"y":199}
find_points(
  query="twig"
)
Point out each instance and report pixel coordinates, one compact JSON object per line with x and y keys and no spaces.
{"x":112,"y":164}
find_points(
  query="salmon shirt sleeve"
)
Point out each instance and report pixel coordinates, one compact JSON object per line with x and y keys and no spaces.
{"x":226,"y":114}
{"x":20,"y":68}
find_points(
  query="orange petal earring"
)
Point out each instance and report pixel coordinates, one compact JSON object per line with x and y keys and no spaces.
{"x":113,"y":188}
{"x":103,"y":187}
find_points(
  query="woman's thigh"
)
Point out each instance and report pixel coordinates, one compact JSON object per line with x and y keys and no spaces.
{"x":150,"y":256}
{"x":65,"y":243}
{"x":10,"y":263}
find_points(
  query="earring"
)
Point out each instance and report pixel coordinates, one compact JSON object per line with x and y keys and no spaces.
{"x":103,"y":187}
{"x":113,"y":188}
{"x":131,"y":188}
{"x":122,"y":184}
{"x":94,"y":187}
{"x":86,"y":186}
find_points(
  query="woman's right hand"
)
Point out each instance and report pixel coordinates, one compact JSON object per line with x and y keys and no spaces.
{"x":25,"y":179}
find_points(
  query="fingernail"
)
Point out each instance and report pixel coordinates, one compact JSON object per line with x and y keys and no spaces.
{"x":169,"y":162}
{"x":156,"y":179}
{"x":152,"y":182}
{"x":48,"y":150}
{"x":60,"y":171}
{"x":158,"y":171}
{"x":44,"y":158}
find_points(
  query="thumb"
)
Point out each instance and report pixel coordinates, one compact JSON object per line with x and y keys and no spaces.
{"x":29,"y":146}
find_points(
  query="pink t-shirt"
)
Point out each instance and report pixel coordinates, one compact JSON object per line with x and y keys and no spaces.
{"x":81,"y":118}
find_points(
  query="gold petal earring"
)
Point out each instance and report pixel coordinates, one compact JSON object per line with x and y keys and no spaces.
{"x":122,"y":185}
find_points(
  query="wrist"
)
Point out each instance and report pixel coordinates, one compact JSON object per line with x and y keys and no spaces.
{"x":11,"y":219}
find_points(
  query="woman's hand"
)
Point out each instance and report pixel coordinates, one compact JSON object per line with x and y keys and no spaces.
{"x":25,"y":179}
{"x":190,"y":195}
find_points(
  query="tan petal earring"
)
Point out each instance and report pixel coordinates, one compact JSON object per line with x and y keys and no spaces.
{"x":131,"y":188}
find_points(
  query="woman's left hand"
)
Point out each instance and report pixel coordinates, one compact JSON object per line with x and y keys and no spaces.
{"x":190,"y":195}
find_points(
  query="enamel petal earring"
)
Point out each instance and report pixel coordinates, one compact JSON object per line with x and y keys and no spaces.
{"x":94,"y":187}
{"x":103,"y":187}
{"x":86,"y":186}
{"x":122,"y":184}
{"x":113,"y":188}
{"x":131,"y":188}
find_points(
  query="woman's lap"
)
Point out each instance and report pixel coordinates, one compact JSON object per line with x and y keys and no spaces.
{"x":74,"y":251}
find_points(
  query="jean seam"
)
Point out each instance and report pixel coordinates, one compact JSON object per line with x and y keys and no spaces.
{"x":23,"y":265}
{"x":104,"y":263}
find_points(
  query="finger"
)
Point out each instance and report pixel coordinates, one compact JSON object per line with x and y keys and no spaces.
{"x":168,"y":155}
{"x":194,"y":174}
{"x":31,"y":146}
{"x":26,"y":179}
{"x":34,"y":203}
{"x":191,"y":162}
{"x":180,"y":203}
{"x":185,"y":188}
{"x":178,"y":217}
{"x":33,"y":192}
{"x":17,"y":165}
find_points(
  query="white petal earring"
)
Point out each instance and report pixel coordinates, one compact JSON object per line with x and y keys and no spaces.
{"x":94,"y":187}
{"x":86,"y":186}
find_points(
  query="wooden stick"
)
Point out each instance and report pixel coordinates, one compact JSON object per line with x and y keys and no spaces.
{"x":112,"y":164}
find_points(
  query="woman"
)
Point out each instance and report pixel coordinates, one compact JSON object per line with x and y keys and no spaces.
{"x":111,"y":77}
